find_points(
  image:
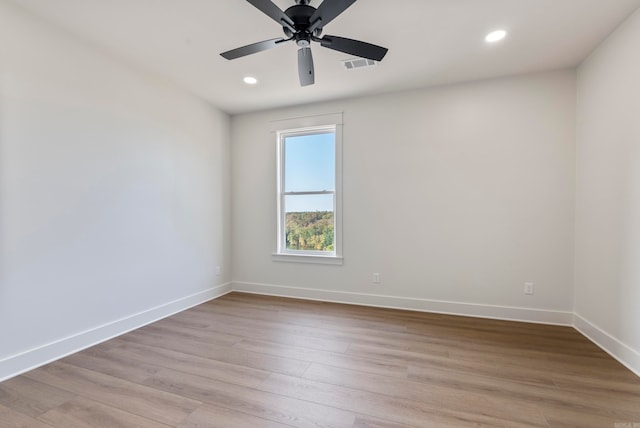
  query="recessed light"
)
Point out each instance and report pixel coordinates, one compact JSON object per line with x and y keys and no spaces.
{"x":495,"y":36}
{"x":250,"y":80}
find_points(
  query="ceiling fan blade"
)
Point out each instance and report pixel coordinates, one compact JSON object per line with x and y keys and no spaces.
{"x":327,"y":11}
{"x":252,"y":48}
{"x":274,"y":12}
{"x":305,"y":67}
{"x":354,"y":47}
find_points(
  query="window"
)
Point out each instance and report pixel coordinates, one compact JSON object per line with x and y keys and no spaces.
{"x":309,"y":194}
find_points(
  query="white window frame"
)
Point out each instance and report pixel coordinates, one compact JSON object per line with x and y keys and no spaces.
{"x":311,"y":125}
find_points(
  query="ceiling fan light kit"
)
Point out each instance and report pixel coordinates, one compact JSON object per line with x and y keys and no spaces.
{"x":303,"y":24}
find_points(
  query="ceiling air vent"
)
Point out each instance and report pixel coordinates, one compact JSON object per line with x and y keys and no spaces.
{"x":350,"y":64}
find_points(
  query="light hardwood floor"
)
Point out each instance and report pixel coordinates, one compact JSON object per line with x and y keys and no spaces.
{"x":255,"y":361}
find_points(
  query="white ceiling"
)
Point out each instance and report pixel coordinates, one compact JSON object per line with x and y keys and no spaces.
{"x":431,"y":42}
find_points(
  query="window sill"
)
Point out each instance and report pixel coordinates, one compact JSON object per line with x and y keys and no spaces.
{"x":306,"y":258}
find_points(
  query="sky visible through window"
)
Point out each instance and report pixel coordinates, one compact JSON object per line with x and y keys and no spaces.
{"x":309,"y":166}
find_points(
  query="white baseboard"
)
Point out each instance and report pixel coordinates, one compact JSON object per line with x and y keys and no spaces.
{"x":408,"y":303}
{"x":626,"y":355}
{"x":25,"y":361}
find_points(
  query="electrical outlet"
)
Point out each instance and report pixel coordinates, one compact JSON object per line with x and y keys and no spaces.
{"x":376,"y":278}
{"x":218,"y":270}
{"x":528,"y":288}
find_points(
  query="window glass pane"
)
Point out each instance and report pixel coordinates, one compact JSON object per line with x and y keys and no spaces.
{"x":309,"y":162}
{"x":309,"y":222}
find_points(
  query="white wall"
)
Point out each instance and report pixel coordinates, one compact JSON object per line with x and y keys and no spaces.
{"x":114,"y":195}
{"x":457,"y":194}
{"x":607,"y":249}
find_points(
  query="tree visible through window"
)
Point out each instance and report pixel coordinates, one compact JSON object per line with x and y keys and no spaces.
{"x":307,"y":191}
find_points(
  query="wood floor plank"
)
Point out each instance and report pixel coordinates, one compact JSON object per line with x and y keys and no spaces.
{"x":31,"y":397}
{"x":262,"y":404}
{"x":367,"y":422}
{"x":300,"y":312}
{"x":315,"y":327}
{"x":277,"y":332}
{"x":10,"y":418}
{"x":256,"y":361}
{"x":84,"y":413}
{"x":487,"y":367}
{"x":571,"y":418}
{"x":400,"y":356}
{"x":443,"y":397}
{"x":627,"y":387}
{"x":607,"y":369}
{"x":397,"y":410}
{"x":208,"y":416}
{"x":201,"y":334}
{"x":193,"y":364}
{"x":160,"y":406}
{"x":328,"y":358}
{"x":622,"y":407}
{"x":218,"y":352}
{"x":112,"y":364}
{"x":419,"y":342}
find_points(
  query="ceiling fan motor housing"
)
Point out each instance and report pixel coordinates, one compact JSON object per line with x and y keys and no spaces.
{"x":301,"y":14}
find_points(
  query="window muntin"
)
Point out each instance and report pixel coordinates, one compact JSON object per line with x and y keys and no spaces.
{"x":307,"y":192}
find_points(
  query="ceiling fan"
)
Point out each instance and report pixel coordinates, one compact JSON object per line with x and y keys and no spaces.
{"x":303,"y":24}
